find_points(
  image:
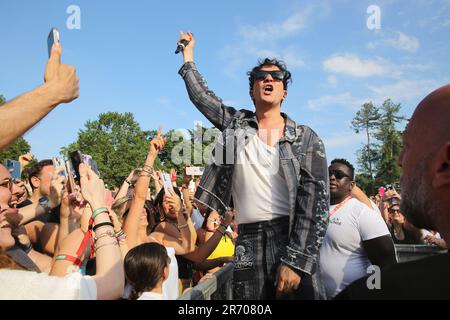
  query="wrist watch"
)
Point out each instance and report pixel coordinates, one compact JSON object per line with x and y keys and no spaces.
{"x":43,"y":202}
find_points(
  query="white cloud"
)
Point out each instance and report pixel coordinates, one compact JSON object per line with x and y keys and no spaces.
{"x":332,"y":80}
{"x":344,"y":99}
{"x":403,"y":42}
{"x":351,"y":64}
{"x":272,"y":31}
{"x":396,"y":39}
{"x":403,"y":90}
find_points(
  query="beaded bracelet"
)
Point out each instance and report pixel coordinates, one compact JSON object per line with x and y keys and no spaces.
{"x":121,"y":236}
{"x":106,"y":234}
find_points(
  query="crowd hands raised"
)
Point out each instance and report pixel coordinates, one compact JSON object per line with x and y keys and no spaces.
{"x":58,"y":243}
{"x":154,"y":243}
{"x":388,"y":203}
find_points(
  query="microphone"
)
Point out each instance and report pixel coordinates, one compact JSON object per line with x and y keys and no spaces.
{"x":181,"y":46}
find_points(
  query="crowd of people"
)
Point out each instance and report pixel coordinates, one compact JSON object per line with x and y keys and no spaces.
{"x":294,"y":226}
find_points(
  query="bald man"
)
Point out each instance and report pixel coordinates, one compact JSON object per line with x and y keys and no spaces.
{"x":425,"y":160}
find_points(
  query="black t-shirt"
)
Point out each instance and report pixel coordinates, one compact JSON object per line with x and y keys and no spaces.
{"x":423,"y":279}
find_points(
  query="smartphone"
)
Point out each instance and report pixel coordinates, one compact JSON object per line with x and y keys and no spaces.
{"x":69,"y":171}
{"x":381,"y":192}
{"x":76,"y":158}
{"x":60,"y":166}
{"x":13,"y":167}
{"x":167,"y":183}
{"x":53,"y":37}
{"x":195,"y":171}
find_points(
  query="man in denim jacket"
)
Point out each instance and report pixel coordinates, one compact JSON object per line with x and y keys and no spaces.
{"x":275,"y":171}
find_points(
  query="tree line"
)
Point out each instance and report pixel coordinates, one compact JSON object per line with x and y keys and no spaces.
{"x":118,"y":144}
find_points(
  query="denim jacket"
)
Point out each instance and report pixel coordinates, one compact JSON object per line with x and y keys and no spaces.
{"x":302,"y":159}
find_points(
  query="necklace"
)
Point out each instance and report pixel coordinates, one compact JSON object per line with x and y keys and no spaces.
{"x":339,"y":206}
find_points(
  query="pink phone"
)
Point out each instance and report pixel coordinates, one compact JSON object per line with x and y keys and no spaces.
{"x":381,"y":192}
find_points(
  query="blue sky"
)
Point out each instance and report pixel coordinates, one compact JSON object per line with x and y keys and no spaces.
{"x":124,"y":55}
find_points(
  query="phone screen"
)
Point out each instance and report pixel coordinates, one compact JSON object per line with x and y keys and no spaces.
{"x":167,"y":183}
{"x":13,"y":167}
{"x":76,"y":158}
{"x":69,"y":171}
{"x":53,"y":37}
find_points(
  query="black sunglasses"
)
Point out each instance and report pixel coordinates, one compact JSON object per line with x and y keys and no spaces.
{"x":394,"y":210}
{"x":338,"y":174}
{"x":261,"y":75}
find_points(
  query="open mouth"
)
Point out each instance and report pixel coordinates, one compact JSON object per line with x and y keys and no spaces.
{"x":268,"y":89}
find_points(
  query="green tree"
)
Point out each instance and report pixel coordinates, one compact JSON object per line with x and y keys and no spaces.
{"x":391,"y":143}
{"x":187,"y":146}
{"x":116,"y":142}
{"x":367,"y":119}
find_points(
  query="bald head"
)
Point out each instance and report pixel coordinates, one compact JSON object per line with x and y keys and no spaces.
{"x":425,"y":162}
{"x":431,"y":119}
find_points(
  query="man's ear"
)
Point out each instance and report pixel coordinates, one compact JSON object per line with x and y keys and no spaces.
{"x":35,"y":182}
{"x":284,"y":95}
{"x":441,"y":167}
{"x":166,"y":273}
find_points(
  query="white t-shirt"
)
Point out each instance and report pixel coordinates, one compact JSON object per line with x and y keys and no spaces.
{"x":170,"y":286}
{"x":152,"y":296}
{"x":342,"y":256}
{"x":29,"y":285}
{"x":259,"y":189}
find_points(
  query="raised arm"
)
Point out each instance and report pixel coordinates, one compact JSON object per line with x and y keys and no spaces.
{"x":34,"y":210}
{"x":20,"y":114}
{"x":132,"y":222}
{"x":359,"y":195}
{"x":204,"y":99}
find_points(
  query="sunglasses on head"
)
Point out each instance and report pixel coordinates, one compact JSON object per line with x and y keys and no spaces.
{"x":262,"y":75}
{"x":338,"y":174}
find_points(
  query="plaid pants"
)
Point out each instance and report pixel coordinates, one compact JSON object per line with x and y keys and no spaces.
{"x":258,"y":251}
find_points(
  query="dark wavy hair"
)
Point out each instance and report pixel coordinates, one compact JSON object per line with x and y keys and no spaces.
{"x":35,"y":171}
{"x":270,"y":62}
{"x":144,"y":267}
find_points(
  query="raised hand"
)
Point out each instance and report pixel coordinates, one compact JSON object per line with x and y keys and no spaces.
{"x":157,"y":144}
{"x":61,"y":78}
{"x":92,"y":187}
